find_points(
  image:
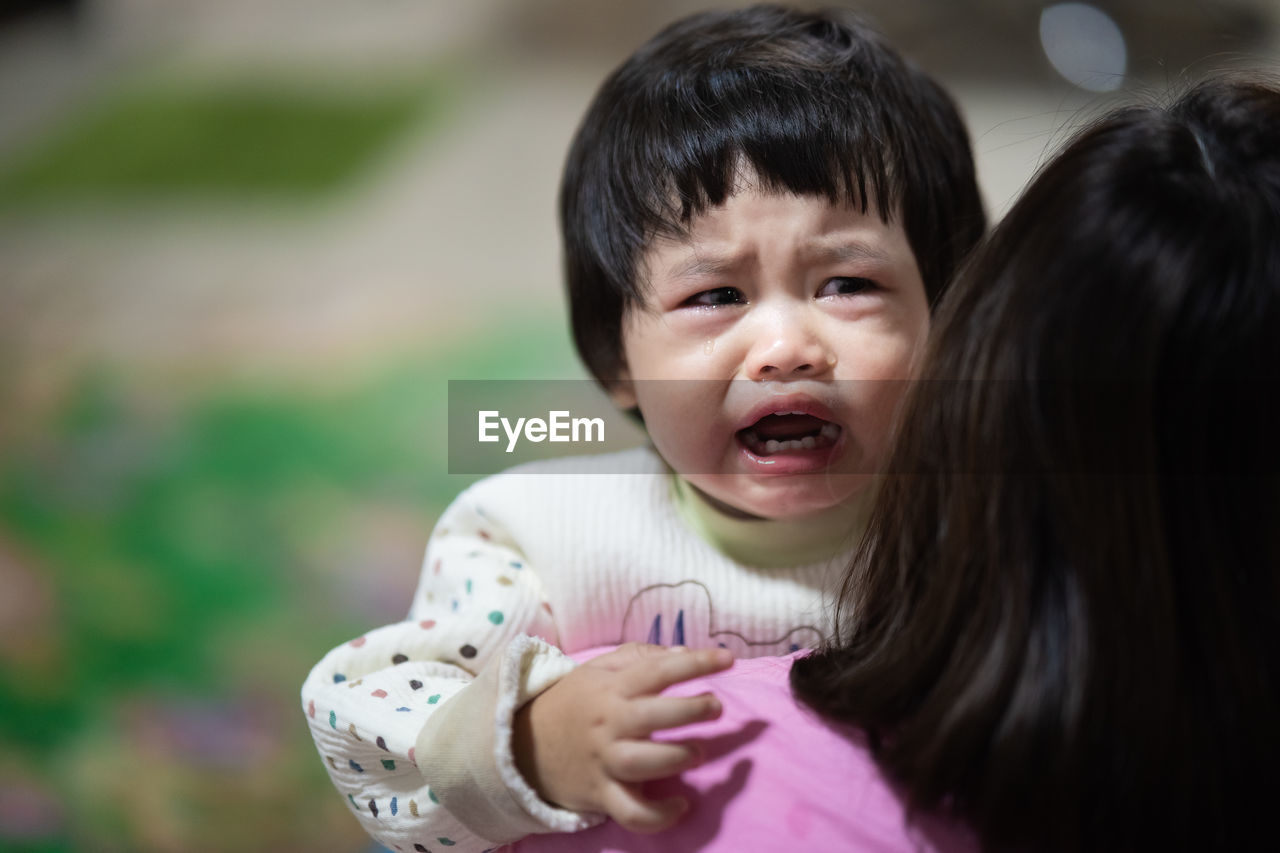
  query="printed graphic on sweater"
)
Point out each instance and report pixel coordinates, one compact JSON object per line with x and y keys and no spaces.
{"x":693,"y":622}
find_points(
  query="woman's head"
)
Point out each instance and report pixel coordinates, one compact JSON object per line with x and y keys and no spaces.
{"x":1062,"y":611}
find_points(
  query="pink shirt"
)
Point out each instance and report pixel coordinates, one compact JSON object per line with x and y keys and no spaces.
{"x":776,"y":777}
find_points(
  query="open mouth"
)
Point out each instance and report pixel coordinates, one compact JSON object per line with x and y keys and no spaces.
{"x":788,"y":432}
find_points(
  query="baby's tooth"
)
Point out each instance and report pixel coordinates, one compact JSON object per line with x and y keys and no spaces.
{"x":808,"y":442}
{"x":830,"y":430}
{"x":771,"y":446}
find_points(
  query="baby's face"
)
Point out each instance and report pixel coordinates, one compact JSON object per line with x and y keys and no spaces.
{"x":790,"y":324}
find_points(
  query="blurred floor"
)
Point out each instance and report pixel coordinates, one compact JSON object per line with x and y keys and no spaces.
{"x":455,"y":217}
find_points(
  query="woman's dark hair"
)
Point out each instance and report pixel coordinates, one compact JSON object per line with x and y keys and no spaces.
{"x":815,"y":103}
{"x":1064,"y":623}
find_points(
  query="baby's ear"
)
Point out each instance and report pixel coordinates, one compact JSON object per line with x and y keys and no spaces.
{"x":622,"y":390}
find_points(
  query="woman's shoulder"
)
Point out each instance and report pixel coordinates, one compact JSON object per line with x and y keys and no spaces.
{"x":774,"y":775}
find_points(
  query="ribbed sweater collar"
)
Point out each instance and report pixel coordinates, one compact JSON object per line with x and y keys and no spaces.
{"x":773,"y":543}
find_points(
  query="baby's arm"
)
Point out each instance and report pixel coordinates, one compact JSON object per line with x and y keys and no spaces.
{"x":410,"y":716}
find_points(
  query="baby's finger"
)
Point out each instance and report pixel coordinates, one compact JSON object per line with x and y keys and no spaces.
{"x":646,"y":760}
{"x":648,"y":714}
{"x":629,"y":808}
{"x":628,"y":654}
{"x":658,"y":672}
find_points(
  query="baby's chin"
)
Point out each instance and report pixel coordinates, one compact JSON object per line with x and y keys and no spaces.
{"x":800,"y":497}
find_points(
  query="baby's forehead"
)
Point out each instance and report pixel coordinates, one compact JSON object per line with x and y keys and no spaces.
{"x":810,"y":227}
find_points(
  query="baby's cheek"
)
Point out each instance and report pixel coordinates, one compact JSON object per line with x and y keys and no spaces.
{"x":892,"y":358}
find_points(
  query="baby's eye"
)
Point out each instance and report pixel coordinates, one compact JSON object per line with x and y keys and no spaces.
{"x":717,"y":296}
{"x":846,"y":286}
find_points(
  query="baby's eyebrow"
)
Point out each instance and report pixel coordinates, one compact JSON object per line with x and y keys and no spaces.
{"x":703,"y":265}
{"x":845,"y":251}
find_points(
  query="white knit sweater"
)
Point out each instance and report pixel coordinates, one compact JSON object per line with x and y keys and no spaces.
{"x":414,"y":719}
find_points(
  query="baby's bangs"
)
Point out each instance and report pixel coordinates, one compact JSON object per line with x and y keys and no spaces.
{"x":784,"y":144}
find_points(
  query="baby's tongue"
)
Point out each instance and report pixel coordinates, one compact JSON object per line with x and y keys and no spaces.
{"x":784,"y":427}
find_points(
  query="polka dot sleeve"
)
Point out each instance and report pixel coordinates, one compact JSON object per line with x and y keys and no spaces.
{"x":368,"y":701}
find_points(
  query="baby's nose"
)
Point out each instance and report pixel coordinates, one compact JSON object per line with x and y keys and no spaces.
{"x":788,"y":347}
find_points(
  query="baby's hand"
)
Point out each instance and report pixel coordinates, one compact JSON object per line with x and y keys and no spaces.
{"x":584,"y":742}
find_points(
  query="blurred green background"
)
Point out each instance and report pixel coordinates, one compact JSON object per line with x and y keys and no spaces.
{"x":243,"y":248}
